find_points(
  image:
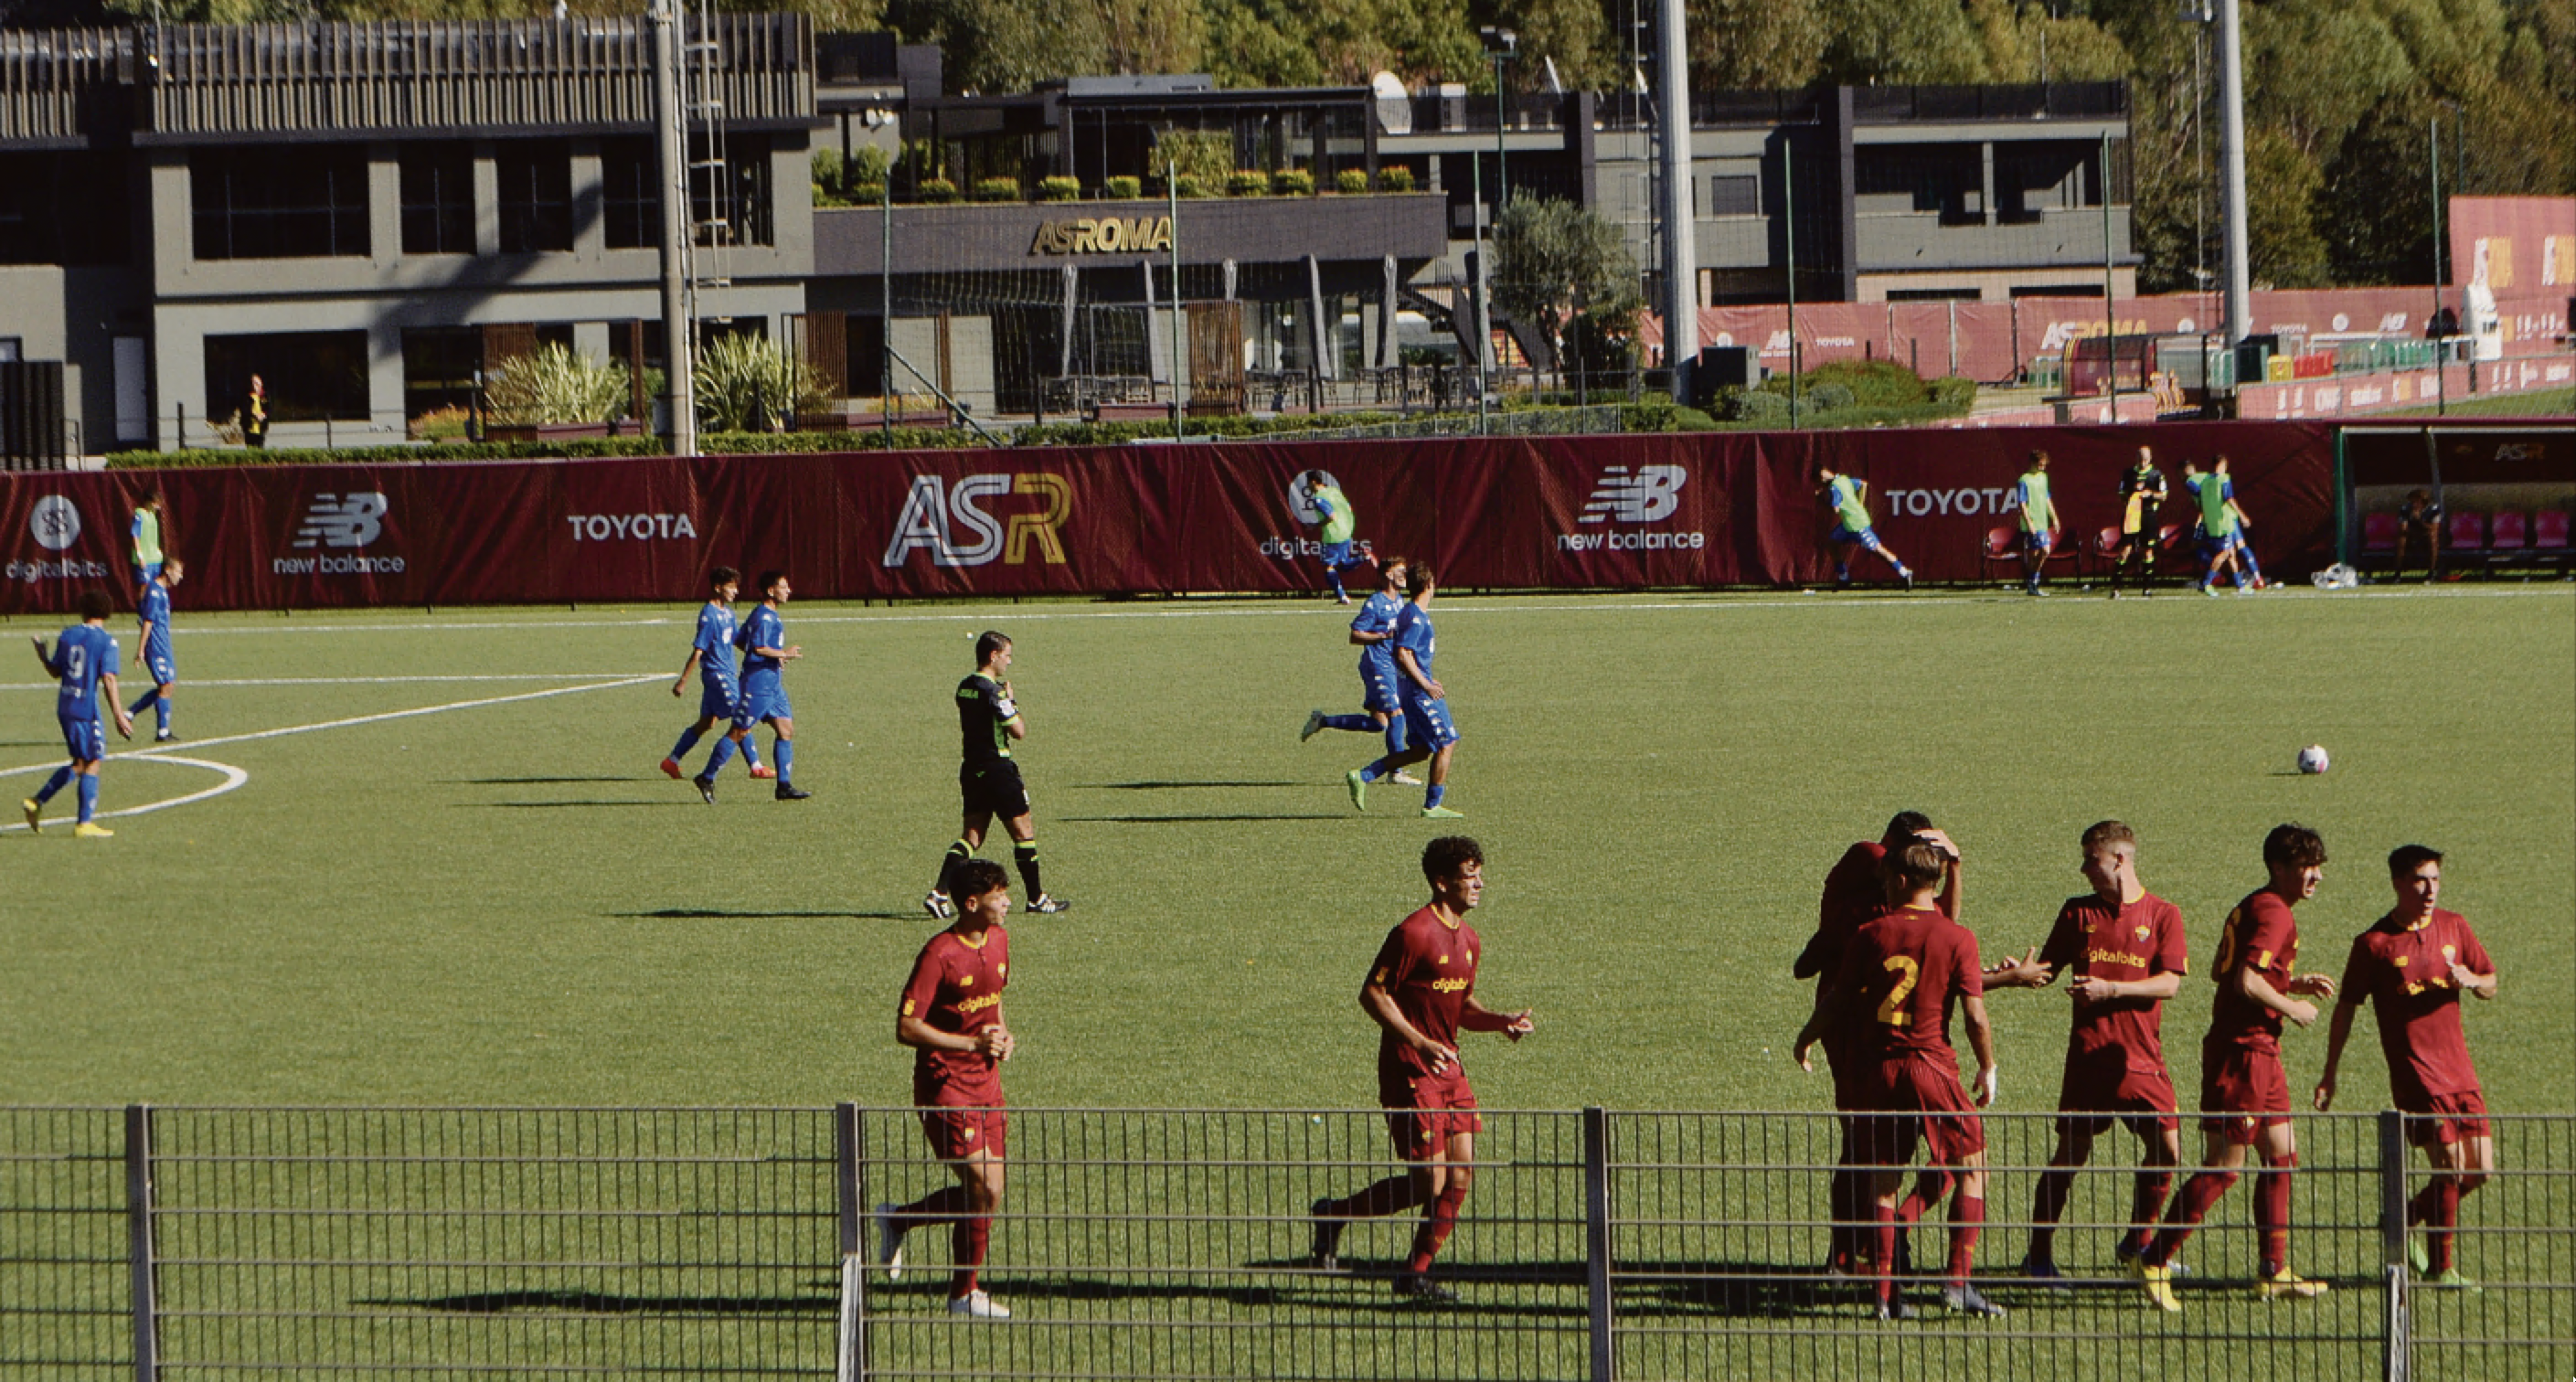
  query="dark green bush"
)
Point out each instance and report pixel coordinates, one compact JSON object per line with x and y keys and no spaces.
{"x":1826,"y":398}
{"x":1123,"y":188}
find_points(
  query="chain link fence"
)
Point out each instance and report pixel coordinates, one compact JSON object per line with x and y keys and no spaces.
{"x":154,"y":1243}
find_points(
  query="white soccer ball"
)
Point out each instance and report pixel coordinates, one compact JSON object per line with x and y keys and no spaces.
{"x":2312,"y":759}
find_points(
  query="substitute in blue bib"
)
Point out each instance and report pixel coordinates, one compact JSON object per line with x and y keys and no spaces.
{"x":1849,"y":496}
{"x":1422,"y":701}
{"x":152,"y":646}
{"x":765,"y":653}
{"x":83,"y":660}
{"x":1373,"y":630}
{"x":711,"y":652}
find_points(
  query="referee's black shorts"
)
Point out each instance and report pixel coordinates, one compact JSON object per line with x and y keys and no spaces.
{"x":993,"y":787}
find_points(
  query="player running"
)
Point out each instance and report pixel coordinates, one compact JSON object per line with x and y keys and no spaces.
{"x":1850,"y":498}
{"x":988,"y":720}
{"x":765,"y":651}
{"x":1901,"y":977}
{"x":1340,"y":521}
{"x":2413,"y":966}
{"x":1424,"y":702}
{"x":719,"y":686}
{"x":84,"y":661}
{"x":1855,"y":893}
{"x":2126,"y":947}
{"x":2142,"y":492}
{"x":1421,"y":992}
{"x":2039,"y":525}
{"x":951,"y":1017}
{"x":1373,"y":630}
{"x":152,"y":646}
{"x":2222,"y":545}
{"x":2244,"y":1095}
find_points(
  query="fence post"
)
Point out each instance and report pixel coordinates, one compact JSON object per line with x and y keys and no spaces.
{"x":1596,"y":1238}
{"x":138,"y":1220}
{"x":2398,"y":1357}
{"x":853,"y":1339}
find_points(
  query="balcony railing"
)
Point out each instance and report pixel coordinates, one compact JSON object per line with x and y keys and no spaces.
{"x":48,"y":75}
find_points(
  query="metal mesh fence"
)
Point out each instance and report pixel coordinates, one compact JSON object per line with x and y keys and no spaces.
{"x":348,"y":1243}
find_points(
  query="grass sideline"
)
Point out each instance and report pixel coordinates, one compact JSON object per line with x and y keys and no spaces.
{"x":506,"y":904}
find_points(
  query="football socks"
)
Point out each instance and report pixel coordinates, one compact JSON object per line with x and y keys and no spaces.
{"x":88,"y":796}
{"x":1024,"y":854}
{"x":688,"y":740}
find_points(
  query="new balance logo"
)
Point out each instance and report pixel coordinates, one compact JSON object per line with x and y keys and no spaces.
{"x":1650,"y":495}
{"x":343,"y":520}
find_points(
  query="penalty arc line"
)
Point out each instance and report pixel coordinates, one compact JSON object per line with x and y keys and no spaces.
{"x":233,"y":777}
{"x":146,"y":754}
{"x":368,"y":681}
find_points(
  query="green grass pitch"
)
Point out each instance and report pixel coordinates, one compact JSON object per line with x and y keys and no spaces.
{"x":498,"y":900}
{"x":507,"y":904}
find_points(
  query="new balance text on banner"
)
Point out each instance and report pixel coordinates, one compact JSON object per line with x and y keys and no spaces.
{"x":1608,"y":512}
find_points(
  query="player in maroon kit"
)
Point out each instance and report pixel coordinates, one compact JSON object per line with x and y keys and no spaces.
{"x":1901,"y":976}
{"x":1422,"y":993}
{"x":2413,"y":966}
{"x":1855,"y":891}
{"x":2244,"y":1096}
{"x":951,"y":1017}
{"x":2126,"y":947}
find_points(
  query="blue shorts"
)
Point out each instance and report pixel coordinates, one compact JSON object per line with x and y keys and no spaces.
{"x":1866,"y":537}
{"x":1337,"y":555}
{"x":145,"y":573}
{"x":1426,"y":724}
{"x":1377,"y":691}
{"x":86,"y":737}
{"x":164,"y":669}
{"x":763,"y":701}
{"x":2038,"y":542}
{"x":2211,"y":548}
{"x":717,"y":698}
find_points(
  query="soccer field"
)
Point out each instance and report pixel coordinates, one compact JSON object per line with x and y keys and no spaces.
{"x":446,"y":870}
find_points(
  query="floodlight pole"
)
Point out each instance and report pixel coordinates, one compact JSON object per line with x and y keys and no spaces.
{"x":2110,"y":304}
{"x":2441,"y":343}
{"x":885,"y":309}
{"x":1681,"y":257}
{"x":670,"y":117}
{"x":1180,"y":400}
{"x":2231,"y":158}
{"x":1789,"y":239}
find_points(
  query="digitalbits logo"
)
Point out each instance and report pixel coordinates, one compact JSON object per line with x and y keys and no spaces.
{"x":1301,"y":498}
{"x":54,"y":522}
{"x":1649,"y":496}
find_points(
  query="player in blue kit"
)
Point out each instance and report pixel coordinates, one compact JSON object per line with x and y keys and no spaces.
{"x":765,"y":652}
{"x":719,"y":688}
{"x":1423,"y":702}
{"x":152,"y":646}
{"x":1374,"y":631}
{"x":84,"y":660}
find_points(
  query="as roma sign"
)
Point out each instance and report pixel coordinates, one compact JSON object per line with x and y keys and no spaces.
{"x":1105,"y":235}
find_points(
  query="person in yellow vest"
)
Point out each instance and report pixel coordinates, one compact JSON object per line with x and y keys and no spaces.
{"x":145,"y":531}
{"x":255,"y":416}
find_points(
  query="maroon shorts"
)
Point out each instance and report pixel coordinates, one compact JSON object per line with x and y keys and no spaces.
{"x":2242,"y":1091}
{"x":961,"y":1121}
{"x":2101,"y":1086}
{"x":1911,"y":1101}
{"x":1424,"y":1111}
{"x":2440,"y":1119}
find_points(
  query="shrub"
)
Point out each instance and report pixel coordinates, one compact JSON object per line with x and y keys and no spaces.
{"x":1247,"y":182}
{"x":555,"y":385}
{"x":1395,"y":178}
{"x":1956,"y":394}
{"x":998,"y":189}
{"x":1207,"y":155}
{"x":1758,"y":406}
{"x":827,"y":178}
{"x":1059,"y":189}
{"x":1350,"y":182}
{"x":1873,"y":383}
{"x":449,"y":423}
{"x":746,"y":383}
{"x":1825,"y":398}
{"x":937,"y":190}
{"x":1189,"y":185}
{"x":1293,"y":182}
{"x":1123,"y":188}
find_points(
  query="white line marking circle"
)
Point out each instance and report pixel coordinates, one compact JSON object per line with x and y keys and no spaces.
{"x":233,"y":777}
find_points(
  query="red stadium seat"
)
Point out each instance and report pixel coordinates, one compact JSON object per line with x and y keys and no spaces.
{"x":2003,"y":547}
{"x":2511,"y":537}
{"x":2467,"y":533}
{"x":2549,"y":531}
{"x":2379,"y":532}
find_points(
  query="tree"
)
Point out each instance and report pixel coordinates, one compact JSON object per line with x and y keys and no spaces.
{"x":1754,"y":45}
{"x":1900,"y":41}
{"x":1555,"y":261}
{"x":2283,"y":248}
{"x":2377,"y":201}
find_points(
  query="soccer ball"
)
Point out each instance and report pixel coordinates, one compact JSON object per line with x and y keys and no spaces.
{"x":2312,"y":759}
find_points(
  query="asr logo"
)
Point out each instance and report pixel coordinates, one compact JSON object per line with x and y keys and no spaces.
{"x":1104,"y":235}
{"x":948,"y":521}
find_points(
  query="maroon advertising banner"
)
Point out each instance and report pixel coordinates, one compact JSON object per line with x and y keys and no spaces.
{"x":1610,"y":512}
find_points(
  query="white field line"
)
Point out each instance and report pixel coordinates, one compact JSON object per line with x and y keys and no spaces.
{"x":1812,"y":598}
{"x":233,"y":777}
{"x":193,"y":683}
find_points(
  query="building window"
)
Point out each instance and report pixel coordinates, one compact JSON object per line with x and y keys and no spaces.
{"x":1735,"y":195}
{"x":438,"y":368}
{"x":308,"y":375}
{"x":253,"y":204}
{"x":736,"y":195}
{"x":628,"y":203}
{"x":1934,"y":295}
{"x":438,"y":199}
{"x":536,"y":196}
{"x":61,"y":208}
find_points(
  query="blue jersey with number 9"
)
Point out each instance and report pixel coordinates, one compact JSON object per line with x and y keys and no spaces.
{"x":82,"y":655}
